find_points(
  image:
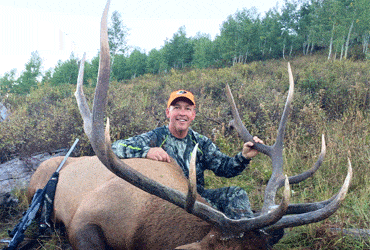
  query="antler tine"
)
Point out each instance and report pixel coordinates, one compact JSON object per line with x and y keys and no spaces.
{"x":192,"y":190}
{"x":81,"y":100}
{"x":304,"y":207}
{"x":240,"y":128}
{"x":303,"y":176}
{"x":277,"y":152}
{"x":281,"y":130}
{"x":100,"y":97}
{"x":317,"y":215}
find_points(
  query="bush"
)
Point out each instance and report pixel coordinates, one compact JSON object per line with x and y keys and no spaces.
{"x":331,"y":98}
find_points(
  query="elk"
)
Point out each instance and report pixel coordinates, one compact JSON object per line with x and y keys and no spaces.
{"x":109,"y":203}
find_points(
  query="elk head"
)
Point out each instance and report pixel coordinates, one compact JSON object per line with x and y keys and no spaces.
{"x":271,"y":217}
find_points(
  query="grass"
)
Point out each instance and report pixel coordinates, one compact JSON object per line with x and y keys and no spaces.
{"x":331,"y":98}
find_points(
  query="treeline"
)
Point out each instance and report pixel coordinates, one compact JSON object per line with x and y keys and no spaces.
{"x":340,"y":28}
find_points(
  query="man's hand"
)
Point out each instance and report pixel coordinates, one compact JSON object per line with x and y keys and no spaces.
{"x":248,"y":152}
{"x":158,"y":154}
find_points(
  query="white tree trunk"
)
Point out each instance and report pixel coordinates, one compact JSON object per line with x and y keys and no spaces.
{"x":312,"y":47}
{"x":347,"y":42}
{"x":331,"y":43}
{"x":365,"y":43}
{"x":308,"y":48}
{"x":330,"y":48}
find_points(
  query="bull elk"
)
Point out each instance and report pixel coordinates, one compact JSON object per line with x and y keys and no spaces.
{"x":146,"y":204}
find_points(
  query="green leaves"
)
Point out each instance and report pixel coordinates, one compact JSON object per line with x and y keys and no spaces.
{"x":117,"y":35}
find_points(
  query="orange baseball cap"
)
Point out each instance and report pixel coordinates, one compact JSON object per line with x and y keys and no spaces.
{"x":180,"y":93}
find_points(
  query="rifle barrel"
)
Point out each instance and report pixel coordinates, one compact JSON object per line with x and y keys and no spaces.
{"x":67,"y":155}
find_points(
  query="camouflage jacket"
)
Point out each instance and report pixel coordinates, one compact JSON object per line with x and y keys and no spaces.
{"x":208,"y":156}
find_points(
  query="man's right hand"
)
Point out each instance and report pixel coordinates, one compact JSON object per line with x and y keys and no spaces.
{"x":158,"y":154}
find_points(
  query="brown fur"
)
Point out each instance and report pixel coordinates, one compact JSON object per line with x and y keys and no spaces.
{"x":102,"y":211}
{"x":89,"y":198}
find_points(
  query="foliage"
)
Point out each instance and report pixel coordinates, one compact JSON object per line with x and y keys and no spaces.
{"x":205,"y":53}
{"x":178,"y":51}
{"x":331,"y":98}
{"x":65,"y":72}
{"x":28,"y":78}
{"x":117,"y":35}
{"x":46,"y":120}
{"x":91,"y":71}
{"x":155,"y":62}
{"x":8,"y":81}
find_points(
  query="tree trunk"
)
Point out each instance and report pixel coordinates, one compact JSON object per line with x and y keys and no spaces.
{"x":308,"y":48}
{"x":365,"y":43}
{"x":312,"y":47}
{"x":331,"y":43}
{"x":347,"y":42}
{"x":330,"y":48}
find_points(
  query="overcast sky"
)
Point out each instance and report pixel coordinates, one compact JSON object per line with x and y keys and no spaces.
{"x":57,"y":28}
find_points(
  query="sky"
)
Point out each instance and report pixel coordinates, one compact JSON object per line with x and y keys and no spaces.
{"x":57,"y":28}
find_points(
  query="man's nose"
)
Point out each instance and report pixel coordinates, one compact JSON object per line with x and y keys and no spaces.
{"x":182,"y":111}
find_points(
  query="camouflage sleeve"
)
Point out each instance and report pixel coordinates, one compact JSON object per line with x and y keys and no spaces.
{"x":134,"y":147}
{"x":222,"y":164}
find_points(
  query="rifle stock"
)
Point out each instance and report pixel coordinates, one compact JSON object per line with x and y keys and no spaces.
{"x":21,"y":227}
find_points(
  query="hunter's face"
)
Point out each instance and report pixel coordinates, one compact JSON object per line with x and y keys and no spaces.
{"x":181,"y":114}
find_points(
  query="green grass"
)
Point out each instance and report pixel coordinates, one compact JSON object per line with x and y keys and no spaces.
{"x":331,"y":98}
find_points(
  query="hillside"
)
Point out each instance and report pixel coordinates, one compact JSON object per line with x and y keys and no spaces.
{"x":331,"y":98}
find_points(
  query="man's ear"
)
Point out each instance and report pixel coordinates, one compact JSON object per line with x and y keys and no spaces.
{"x":195,"y":112}
{"x":168,"y":112}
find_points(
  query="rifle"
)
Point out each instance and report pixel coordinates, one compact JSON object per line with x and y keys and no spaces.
{"x":43,"y":198}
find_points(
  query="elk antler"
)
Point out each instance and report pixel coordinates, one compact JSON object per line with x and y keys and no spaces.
{"x":305,"y":213}
{"x":192,"y":191}
{"x":100,"y":141}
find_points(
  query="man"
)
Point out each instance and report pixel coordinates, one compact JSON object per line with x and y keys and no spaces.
{"x":177,"y":140}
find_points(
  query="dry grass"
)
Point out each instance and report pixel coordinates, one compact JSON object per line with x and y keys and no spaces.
{"x":331,"y":98}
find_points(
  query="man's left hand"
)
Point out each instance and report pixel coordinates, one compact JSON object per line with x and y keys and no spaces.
{"x":249,"y":152}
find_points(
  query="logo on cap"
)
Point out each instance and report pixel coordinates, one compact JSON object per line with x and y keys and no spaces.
{"x":181,"y":92}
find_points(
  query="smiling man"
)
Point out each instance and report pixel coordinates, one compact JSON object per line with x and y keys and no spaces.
{"x":177,"y":140}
